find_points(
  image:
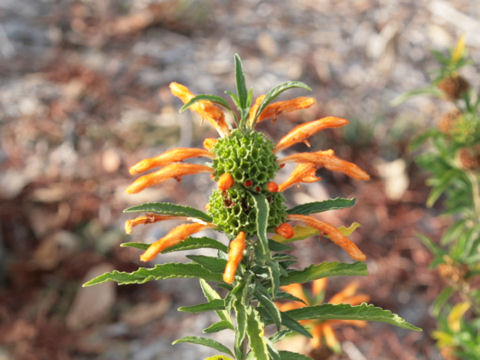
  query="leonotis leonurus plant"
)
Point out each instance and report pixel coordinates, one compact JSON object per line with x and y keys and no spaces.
{"x":247,"y":206}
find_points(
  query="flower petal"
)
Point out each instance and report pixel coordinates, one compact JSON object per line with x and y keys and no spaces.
{"x":175,"y":236}
{"x":254,"y":108}
{"x":319,"y":285}
{"x":168,"y":157}
{"x":335,"y":235}
{"x":276,"y":108}
{"x":205,"y":108}
{"x":347,"y":291}
{"x":328,"y":160}
{"x":148,"y":219}
{"x":303,"y":131}
{"x":304,"y":172}
{"x":175,"y":170}
{"x":235,"y":255}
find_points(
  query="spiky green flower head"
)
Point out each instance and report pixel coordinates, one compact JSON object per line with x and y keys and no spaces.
{"x":247,"y":155}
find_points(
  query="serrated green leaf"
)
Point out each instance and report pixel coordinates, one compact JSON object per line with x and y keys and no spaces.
{"x":326,"y":269}
{"x":192,"y":243}
{"x":239,"y":304}
{"x":364,"y":311}
{"x":213,"y":98}
{"x":210,"y":294}
{"x":214,"y":304}
{"x":205,"y":342}
{"x":218,"y":326}
{"x":255,"y":334}
{"x":288,"y":355}
{"x":210,"y":263}
{"x":159,"y":272}
{"x":274,"y":271}
{"x":319,"y":206}
{"x":170,"y":209}
{"x":280,"y":335}
{"x":263,"y":210}
{"x":277,"y":90}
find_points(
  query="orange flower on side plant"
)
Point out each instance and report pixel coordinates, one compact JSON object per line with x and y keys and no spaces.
{"x":322,"y":331}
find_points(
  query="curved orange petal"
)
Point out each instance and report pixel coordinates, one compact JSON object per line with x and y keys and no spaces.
{"x":328,"y":160}
{"x":148,"y":219}
{"x":168,"y":157}
{"x":319,"y":285}
{"x":357,"y":299}
{"x":345,"y":293}
{"x":316,"y":340}
{"x":235,"y":255}
{"x":291,"y":305}
{"x":304,"y":172}
{"x":206,"y":109}
{"x":358,"y":323}
{"x":276,"y":108}
{"x":295,"y":290}
{"x":175,"y":170}
{"x":303,"y":131}
{"x":175,"y":236}
{"x":254,"y":108}
{"x":335,"y":235}
{"x":330,"y":337}
{"x":225,"y":181}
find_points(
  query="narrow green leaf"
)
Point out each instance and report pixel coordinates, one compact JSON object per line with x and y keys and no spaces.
{"x":213,"y":98}
{"x":205,"y":342}
{"x":218,"y":326}
{"x":277,"y":90}
{"x":262,"y":296}
{"x":192,"y":243}
{"x":432,"y":90}
{"x":441,"y":300}
{"x":294,"y":325}
{"x":347,"y":231}
{"x":420,"y":139}
{"x":240,"y":82}
{"x":136,"y":245}
{"x":255,"y":334}
{"x":276,"y":246}
{"x":280,"y":335}
{"x":210,"y":263}
{"x":319,"y":206}
{"x":440,"y":187}
{"x":214,"y":304}
{"x":272,"y":351}
{"x":239,"y":304}
{"x":288,"y":355}
{"x":326,"y":269}
{"x":210,"y":294}
{"x":170,"y":209}
{"x":364,"y":311}
{"x":263,"y":210}
{"x":159,"y":272}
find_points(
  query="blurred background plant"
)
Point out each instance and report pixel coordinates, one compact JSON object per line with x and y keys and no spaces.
{"x":80,"y":103}
{"x":451,"y":154}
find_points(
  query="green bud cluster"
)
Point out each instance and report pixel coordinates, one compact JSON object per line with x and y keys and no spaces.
{"x":248,"y":156}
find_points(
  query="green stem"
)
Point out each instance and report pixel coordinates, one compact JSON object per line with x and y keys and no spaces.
{"x":475,"y":194}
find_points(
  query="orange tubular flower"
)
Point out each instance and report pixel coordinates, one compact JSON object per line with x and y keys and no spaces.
{"x":304,"y":172}
{"x":319,"y":285}
{"x":175,"y":170}
{"x":254,"y":108}
{"x":225,"y":181}
{"x":275,"y":109}
{"x":235,"y":255}
{"x":175,"y":236}
{"x":205,"y":108}
{"x":272,"y":187}
{"x":209,"y":143}
{"x":303,"y":131}
{"x":328,"y":160}
{"x":168,"y":157}
{"x":335,"y":235}
{"x":284,"y":230}
{"x":148,"y":219}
